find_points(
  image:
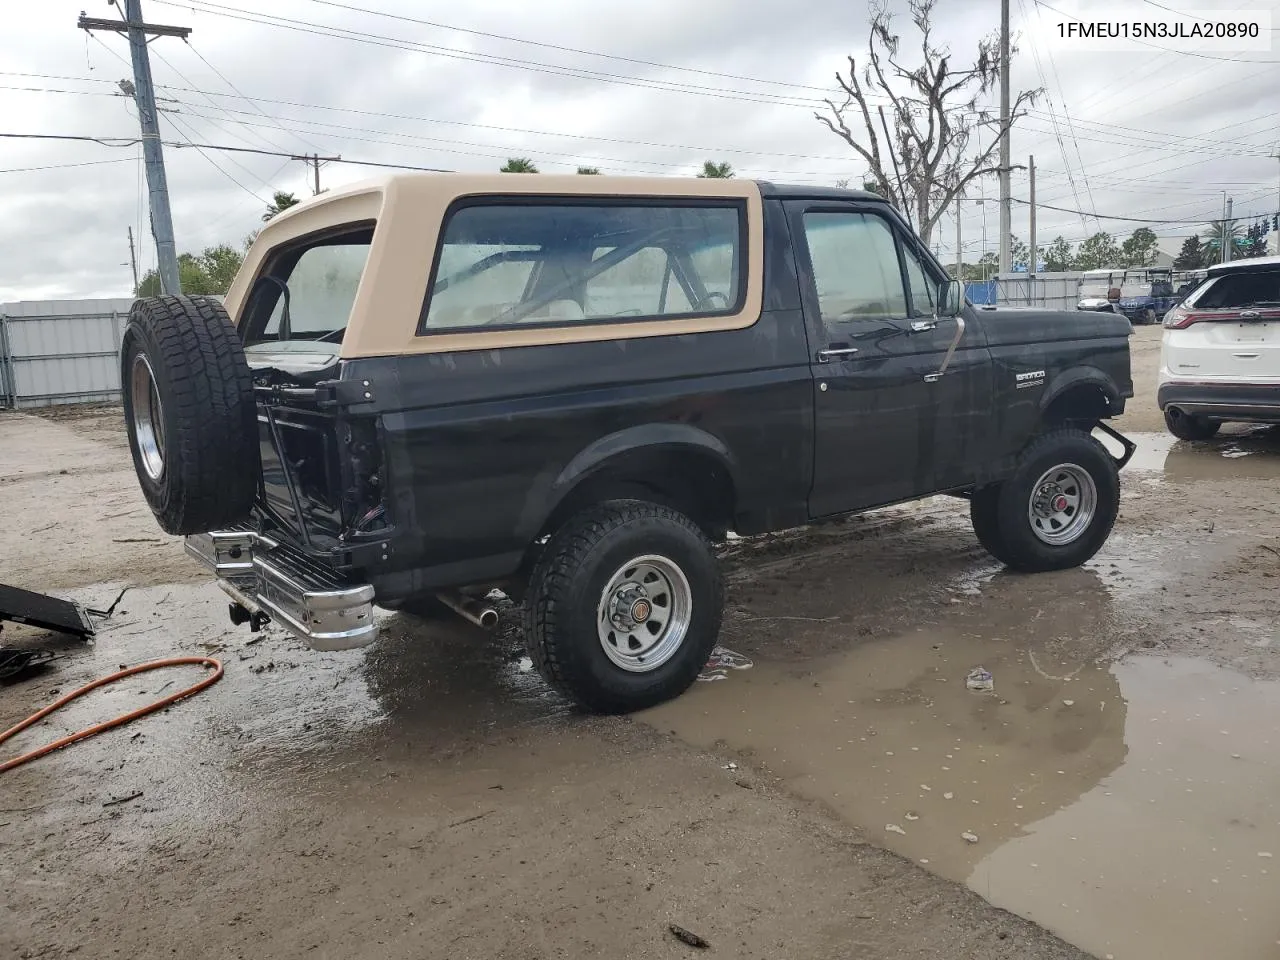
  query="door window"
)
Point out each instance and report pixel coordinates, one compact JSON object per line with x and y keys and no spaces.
{"x":855,"y":267}
{"x":924,"y":289}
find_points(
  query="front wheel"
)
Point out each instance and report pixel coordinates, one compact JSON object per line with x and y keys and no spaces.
{"x":1184,"y":426}
{"x":1057,"y":509}
{"x":624,"y":606}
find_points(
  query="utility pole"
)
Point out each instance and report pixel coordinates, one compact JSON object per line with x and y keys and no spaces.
{"x":1226,"y":234}
{"x":145,"y":98}
{"x":314,"y":160}
{"x":1006,"y":203}
{"x":959,"y":249}
{"x":1031,"y":267}
{"x":133,"y":262}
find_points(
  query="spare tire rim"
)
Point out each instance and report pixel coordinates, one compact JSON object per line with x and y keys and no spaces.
{"x":1062,"y":504}
{"x":643,"y":614}
{"x":148,"y":417}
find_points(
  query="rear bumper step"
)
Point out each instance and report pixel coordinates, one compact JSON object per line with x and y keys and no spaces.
{"x":309,"y":599}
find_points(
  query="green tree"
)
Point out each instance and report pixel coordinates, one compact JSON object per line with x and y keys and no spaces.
{"x":1139,"y":250}
{"x":988,"y":266}
{"x":716,"y":171}
{"x":872,"y":186}
{"x":1019,"y":252}
{"x":519,"y":165}
{"x":280,"y":201}
{"x":1097,"y":252}
{"x":1213,"y":233}
{"x":209,"y":273}
{"x":589,"y":171}
{"x":1059,"y":255}
{"x":1192,"y":256}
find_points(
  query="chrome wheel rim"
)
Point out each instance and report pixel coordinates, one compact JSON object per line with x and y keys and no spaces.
{"x":1062,"y":504}
{"x":643,"y":615}
{"x":148,"y":417}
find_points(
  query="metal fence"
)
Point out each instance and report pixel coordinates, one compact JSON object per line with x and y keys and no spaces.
{"x":1052,"y":291}
{"x":60,"y":351}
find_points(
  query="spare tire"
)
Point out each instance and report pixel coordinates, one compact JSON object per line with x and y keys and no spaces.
{"x":190,"y":412}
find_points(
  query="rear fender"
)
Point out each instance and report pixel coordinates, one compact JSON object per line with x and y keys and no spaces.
{"x":550,"y":491}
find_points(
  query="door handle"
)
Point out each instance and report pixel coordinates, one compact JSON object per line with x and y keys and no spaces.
{"x":1250,"y":315}
{"x":920,"y":326}
{"x":826,"y":356}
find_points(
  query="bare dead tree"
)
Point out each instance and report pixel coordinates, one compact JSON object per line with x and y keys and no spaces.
{"x":940,"y":137}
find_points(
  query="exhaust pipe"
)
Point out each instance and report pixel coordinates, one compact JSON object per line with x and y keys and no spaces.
{"x":481,"y":614}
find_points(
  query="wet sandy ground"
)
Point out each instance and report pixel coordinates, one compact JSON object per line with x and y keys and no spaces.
{"x":429,"y":797}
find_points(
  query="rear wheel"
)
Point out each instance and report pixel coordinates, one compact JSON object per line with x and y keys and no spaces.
{"x":624,"y":606}
{"x":1057,"y":509}
{"x":1184,"y":426}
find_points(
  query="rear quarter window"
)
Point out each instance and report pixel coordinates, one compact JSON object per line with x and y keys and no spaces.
{"x":520,"y":263}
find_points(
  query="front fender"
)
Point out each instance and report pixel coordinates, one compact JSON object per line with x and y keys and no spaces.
{"x":1082,"y":376}
{"x":552,"y":486}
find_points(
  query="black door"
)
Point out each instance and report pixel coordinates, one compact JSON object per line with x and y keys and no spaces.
{"x":902,"y":396}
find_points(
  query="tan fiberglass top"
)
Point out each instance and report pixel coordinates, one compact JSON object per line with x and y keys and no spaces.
{"x":409,"y":208}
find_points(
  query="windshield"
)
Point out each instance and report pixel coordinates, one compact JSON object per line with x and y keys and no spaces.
{"x":1094,"y":288}
{"x":309,"y":293}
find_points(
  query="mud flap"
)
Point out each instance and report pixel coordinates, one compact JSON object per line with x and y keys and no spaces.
{"x":1129,"y":446}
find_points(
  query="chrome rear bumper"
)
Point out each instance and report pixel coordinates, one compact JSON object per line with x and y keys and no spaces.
{"x":302,"y":595}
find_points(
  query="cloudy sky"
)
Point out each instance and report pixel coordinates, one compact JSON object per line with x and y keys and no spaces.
{"x":657,"y":87}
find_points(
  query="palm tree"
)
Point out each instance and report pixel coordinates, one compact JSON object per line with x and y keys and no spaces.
{"x":519,"y":165}
{"x":280,"y":201}
{"x":716,"y":171}
{"x":589,"y":171}
{"x":1215,"y":231}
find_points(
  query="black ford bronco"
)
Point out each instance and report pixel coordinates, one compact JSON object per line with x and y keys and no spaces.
{"x":568,"y":388}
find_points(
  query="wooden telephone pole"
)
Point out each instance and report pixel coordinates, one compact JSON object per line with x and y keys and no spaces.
{"x":144,"y":95}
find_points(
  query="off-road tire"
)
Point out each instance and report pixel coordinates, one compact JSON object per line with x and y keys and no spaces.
{"x":209,"y":477}
{"x":1184,"y":426}
{"x":569,"y":579}
{"x":1000,"y":512}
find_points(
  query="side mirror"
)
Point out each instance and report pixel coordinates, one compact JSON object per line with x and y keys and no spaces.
{"x":952,"y":300}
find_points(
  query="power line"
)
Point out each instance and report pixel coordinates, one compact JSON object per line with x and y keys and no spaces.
{"x":64,"y":166}
{"x":1103,"y":216}
{"x":128,"y":142}
{"x":453,"y":53}
{"x":212,"y":102}
{"x":200,"y":148}
{"x":564,"y":49}
{"x":1133,"y":136}
{"x":104,"y":141}
{"x":191,"y":46}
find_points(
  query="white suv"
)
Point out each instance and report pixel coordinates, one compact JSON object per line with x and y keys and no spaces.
{"x":1220,"y":357}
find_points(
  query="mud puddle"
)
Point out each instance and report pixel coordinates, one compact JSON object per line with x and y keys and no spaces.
{"x":1238,"y":453}
{"x":1125,"y":806}
{"x":282,"y":717}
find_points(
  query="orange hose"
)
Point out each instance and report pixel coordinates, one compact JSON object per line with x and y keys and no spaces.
{"x":117,"y":721}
